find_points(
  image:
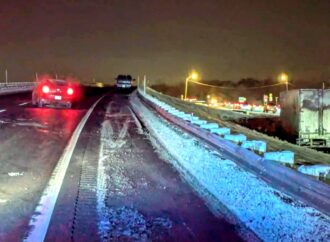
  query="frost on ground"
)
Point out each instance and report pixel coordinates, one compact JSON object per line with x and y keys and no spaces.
{"x":272,"y":215}
{"x":127,"y":222}
{"x":109,"y":144}
{"x":122,"y":223}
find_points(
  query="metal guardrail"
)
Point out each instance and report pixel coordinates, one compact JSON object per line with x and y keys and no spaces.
{"x":16,"y":84}
{"x":14,"y":87}
{"x":300,"y":186}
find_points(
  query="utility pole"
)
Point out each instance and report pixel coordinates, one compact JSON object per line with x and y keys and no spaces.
{"x":144,"y":83}
{"x":6,"y":74}
{"x":321,"y":110}
{"x":287,"y":86}
{"x":193,"y":76}
{"x":284,"y":78}
{"x":186,"y":89}
{"x":138,"y":82}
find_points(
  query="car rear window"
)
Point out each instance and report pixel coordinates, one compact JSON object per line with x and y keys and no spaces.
{"x":58,"y":82}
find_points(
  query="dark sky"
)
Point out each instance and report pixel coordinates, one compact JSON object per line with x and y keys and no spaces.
{"x":164,"y":39}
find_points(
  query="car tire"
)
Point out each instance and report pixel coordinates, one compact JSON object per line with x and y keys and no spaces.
{"x":34,"y":102}
{"x":40,"y":104}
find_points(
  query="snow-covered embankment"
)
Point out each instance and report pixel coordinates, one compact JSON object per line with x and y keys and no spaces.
{"x":269,"y":213}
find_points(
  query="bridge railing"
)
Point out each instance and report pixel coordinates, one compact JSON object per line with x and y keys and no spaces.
{"x":16,"y":84}
{"x":14,"y":87}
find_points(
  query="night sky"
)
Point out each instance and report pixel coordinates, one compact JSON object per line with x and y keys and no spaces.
{"x":226,"y":40}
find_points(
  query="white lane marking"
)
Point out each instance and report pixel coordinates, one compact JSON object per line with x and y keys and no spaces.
{"x":3,"y":110}
{"x":22,"y":104}
{"x":40,"y":220}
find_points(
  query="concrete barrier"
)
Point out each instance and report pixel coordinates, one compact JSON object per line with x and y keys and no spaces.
{"x":315,"y":170}
{"x":236,"y":138}
{"x":198,"y":122}
{"x":220,"y":131}
{"x":209,"y":126}
{"x":255,"y":145}
{"x":286,"y":156}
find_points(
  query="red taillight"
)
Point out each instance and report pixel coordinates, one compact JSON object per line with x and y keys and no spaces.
{"x":69,"y":91}
{"x":45,"y":89}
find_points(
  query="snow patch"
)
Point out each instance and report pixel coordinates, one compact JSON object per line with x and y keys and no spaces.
{"x":120,"y":223}
{"x":31,"y":124}
{"x":109,"y":144}
{"x":128,"y":223}
{"x":15,"y":173}
{"x":272,"y":215}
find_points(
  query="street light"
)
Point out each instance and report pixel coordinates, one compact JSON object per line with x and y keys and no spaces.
{"x":283,"y":77}
{"x":192,"y":76}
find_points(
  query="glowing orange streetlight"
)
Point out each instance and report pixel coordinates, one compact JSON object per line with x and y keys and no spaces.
{"x":192,"y":76}
{"x":284,"y":78}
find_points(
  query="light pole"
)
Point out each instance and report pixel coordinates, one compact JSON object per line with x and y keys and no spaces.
{"x":6,"y":75}
{"x":193,"y":76}
{"x":284,"y":78}
{"x":144,"y":83}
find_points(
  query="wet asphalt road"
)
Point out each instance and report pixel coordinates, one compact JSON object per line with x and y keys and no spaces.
{"x":117,"y":187}
{"x":31,"y":142}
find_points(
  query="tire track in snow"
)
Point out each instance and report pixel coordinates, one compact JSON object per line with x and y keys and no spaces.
{"x":109,"y":145}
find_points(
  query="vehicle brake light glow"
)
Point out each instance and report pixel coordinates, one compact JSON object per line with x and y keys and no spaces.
{"x":70,"y":91}
{"x":45,"y":89}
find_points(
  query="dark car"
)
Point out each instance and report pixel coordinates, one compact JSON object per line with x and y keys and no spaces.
{"x":124,"y":81}
{"x":56,"y":93}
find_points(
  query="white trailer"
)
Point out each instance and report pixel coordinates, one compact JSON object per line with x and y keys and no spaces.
{"x":305,"y":113}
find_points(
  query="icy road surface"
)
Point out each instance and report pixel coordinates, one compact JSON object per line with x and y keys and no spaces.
{"x":273,"y":216}
{"x":118,"y":188}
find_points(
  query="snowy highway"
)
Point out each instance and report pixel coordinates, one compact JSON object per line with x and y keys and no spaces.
{"x":117,"y":186}
{"x":174,"y":121}
{"x":112,"y":169}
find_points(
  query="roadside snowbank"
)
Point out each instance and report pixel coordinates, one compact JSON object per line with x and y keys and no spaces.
{"x":269,"y":213}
